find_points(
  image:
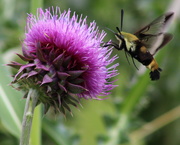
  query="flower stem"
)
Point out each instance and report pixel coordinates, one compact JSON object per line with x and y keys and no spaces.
{"x":31,"y":103}
{"x":35,"y":136}
{"x":117,"y":133}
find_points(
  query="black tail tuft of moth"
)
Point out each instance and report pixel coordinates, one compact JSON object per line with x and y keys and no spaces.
{"x":155,"y":75}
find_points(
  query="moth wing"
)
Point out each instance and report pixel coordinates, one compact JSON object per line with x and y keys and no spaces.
{"x":166,"y":38}
{"x":152,"y":32}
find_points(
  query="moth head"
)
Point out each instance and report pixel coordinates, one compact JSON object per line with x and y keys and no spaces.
{"x":120,"y":37}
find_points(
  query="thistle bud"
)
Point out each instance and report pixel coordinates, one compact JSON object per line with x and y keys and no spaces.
{"x":64,"y":60}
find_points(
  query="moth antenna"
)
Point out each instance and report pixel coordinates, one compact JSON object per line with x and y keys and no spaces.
{"x":118,"y":30}
{"x":122,"y":14}
{"x":110,"y":30}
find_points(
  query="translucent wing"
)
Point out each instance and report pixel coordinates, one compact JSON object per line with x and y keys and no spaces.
{"x":152,"y":32}
{"x":166,"y":38}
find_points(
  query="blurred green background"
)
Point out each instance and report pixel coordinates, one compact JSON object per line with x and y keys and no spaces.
{"x":138,"y":112}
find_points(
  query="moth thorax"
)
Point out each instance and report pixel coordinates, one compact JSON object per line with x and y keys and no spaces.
{"x":130,"y":45}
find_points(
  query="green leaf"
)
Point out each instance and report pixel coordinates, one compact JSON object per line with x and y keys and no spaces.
{"x":11,"y":107}
{"x":53,"y":131}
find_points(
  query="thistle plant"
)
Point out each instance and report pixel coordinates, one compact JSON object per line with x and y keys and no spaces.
{"x":64,"y":61}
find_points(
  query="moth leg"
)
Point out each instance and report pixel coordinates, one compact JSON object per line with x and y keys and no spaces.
{"x":134,"y":63}
{"x":115,"y":45}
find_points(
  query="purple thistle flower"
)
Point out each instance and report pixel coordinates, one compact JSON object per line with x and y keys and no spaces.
{"x":64,"y":59}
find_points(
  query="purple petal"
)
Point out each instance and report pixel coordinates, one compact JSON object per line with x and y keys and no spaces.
{"x":46,"y":79}
{"x":62,"y":87}
{"x":58,"y":61}
{"x":24,"y":58}
{"x":62,"y":75}
{"x":32,"y":73}
{"x":76,"y":73}
{"x":39,"y":52}
{"x":75,"y":89}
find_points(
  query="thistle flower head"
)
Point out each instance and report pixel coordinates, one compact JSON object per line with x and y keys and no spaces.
{"x":64,"y":59}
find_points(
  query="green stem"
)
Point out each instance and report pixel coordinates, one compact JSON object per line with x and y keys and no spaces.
{"x":31,"y":103}
{"x":118,"y":131}
{"x":35,"y":136}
